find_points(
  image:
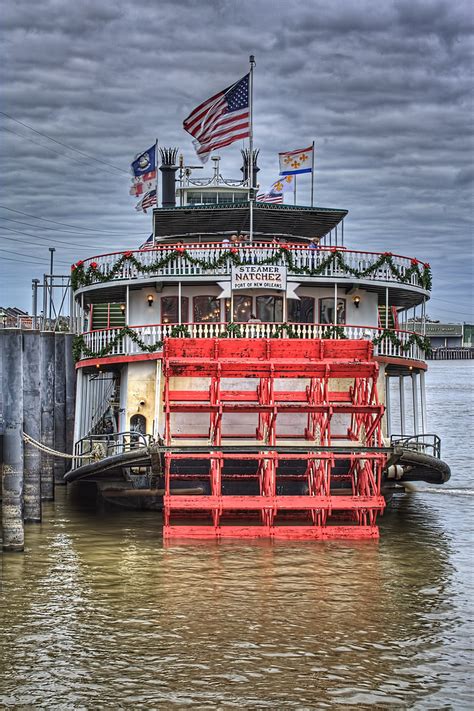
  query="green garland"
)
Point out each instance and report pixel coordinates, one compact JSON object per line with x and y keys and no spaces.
{"x":80,"y":349}
{"x":333,"y":332}
{"x":233,"y":330}
{"x":82,"y":276}
{"x":284,"y":328}
{"x":421,"y":341}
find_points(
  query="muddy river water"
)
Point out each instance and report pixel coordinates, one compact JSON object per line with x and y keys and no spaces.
{"x":98,"y":613}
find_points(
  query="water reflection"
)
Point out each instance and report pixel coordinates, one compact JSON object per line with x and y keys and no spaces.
{"x":98,"y":607}
{"x":99,"y":614}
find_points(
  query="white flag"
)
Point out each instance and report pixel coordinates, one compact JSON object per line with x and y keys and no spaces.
{"x":296,"y":162}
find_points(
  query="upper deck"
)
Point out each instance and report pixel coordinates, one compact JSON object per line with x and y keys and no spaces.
{"x":408,"y":279}
{"x":188,"y":279}
{"x":206,"y":221}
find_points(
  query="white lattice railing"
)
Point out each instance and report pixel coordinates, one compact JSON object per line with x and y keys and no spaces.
{"x":97,"y":341}
{"x":303,"y":257}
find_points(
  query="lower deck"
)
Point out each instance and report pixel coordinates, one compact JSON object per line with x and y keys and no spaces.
{"x":262,"y":437}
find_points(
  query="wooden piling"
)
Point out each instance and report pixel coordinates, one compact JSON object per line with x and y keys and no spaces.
{"x":13,"y":534}
{"x":47,"y":413}
{"x":32,"y":425}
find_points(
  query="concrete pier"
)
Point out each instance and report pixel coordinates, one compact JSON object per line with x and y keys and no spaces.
{"x":37,"y":395}
{"x":59,"y":467}
{"x":47,"y":413}
{"x":70,"y":395}
{"x":32,"y":425}
{"x":12,"y":470}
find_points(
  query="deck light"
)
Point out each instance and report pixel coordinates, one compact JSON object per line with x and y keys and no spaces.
{"x":356,"y":300}
{"x":150,"y":299}
{"x":122,"y":309}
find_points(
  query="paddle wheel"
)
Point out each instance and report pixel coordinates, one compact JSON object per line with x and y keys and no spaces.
{"x":283,"y":436}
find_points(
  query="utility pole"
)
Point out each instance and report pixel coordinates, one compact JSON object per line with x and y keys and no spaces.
{"x":51,"y":251}
{"x":34,"y":309}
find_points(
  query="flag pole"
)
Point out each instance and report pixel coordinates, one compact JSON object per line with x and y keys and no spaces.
{"x":156,"y":168}
{"x":312,"y":177}
{"x":294,"y":192}
{"x":250,"y":171}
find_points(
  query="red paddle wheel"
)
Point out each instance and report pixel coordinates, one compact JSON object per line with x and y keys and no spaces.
{"x":284,"y":437}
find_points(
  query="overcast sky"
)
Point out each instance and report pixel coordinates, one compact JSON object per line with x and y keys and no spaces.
{"x":383,"y":88}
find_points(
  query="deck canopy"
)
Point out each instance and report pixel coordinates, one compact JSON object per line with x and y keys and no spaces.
{"x":207,"y":221}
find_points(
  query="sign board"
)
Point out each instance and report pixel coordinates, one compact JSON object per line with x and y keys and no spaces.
{"x":258,"y":276}
{"x":443,"y":329}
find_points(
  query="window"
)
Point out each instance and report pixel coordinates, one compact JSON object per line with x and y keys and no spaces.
{"x":169,"y":309}
{"x":242,"y":308}
{"x":138,"y":424}
{"x":269,"y":308}
{"x":326,"y":310}
{"x":108,"y":316}
{"x":207,"y":308}
{"x":209,"y":198}
{"x":194,"y":198}
{"x":225,"y":198}
{"x":301,"y":311}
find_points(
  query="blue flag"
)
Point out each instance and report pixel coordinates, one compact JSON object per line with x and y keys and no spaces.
{"x":145,"y":163}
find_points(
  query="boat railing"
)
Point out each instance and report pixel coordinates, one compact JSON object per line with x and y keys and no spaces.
{"x":149,"y":338}
{"x":99,"y":446}
{"x":424,"y":443}
{"x":179,"y":262}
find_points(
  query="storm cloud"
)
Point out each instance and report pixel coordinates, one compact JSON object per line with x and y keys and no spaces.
{"x":384,"y":89}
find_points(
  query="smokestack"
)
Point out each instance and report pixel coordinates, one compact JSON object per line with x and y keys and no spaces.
{"x":245,"y":168}
{"x":168,"y":169}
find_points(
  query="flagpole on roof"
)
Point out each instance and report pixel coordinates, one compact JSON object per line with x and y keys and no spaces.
{"x":250,"y":171}
{"x":312,"y":177}
{"x":156,"y":168}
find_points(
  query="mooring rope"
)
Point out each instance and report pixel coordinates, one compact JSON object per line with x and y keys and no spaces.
{"x":93,"y":454}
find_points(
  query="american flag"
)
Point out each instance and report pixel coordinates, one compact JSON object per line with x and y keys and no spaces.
{"x":147,"y":201}
{"x":270,"y":197}
{"x":148,"y":244}
{"x":276,"y":190}
{"x":221,"y":120}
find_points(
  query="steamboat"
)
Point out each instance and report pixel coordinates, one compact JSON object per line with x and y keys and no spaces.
{"x":239,"y":371}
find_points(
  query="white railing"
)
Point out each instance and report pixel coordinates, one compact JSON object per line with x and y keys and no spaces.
{"x":303,"y":258}
{"x":97,"y":341}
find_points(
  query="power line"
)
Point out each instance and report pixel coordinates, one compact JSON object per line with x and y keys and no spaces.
{"x":47,"y":148}
{"x":65,"y":224}
{"x":54,"y":229}
{"x":453,"y":311}
{"x":46,"y":239}
{"x":86,"y":155}
{"x":23,"y":261}
{"x":18,"y":261}
{"x":9,"y":251}
{"x":445,"y":301}
{"x":43,"y":239}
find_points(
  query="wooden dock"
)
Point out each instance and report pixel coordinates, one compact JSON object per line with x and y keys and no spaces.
{"x":453,"y":353}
